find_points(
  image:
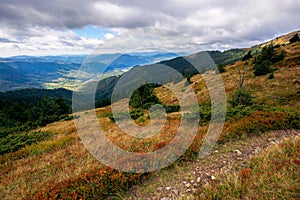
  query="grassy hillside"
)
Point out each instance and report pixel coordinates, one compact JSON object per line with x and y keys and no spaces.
{"x":282,"y":90}
{"x":58,"y":166}
{"x":273,"y":174}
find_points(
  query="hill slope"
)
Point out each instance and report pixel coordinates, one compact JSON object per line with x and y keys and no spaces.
{"x":59,"y":166}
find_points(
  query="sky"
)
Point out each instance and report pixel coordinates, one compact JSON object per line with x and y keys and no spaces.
{"x":35,"y":27}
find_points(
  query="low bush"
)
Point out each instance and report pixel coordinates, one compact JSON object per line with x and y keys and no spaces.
{"x":241,"y":97}
{"x":241,"y":111}
{"x":261,"y":121}
{"x":95,"y":184}
{"x":172,"y":108}
{"x":221,"y":68}
{"x":263,"y":68}
{"x":141,"y":119}
{"x":136,"y":113}
{"x":38,"y":149}
{"x":14,"y":142}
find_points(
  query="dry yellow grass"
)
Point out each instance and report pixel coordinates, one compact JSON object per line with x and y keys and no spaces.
{"x":65,"y":157}
{"x":38,"y":166}
{"x":282,"y":90}
{"x":282,"y":39}
{"x":274,"y":174}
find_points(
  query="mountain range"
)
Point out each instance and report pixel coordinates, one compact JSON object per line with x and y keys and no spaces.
{"x":49,"y":72}
{"x":27,"y":77}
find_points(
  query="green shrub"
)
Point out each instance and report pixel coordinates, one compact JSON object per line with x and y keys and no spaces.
{"x":221,"y":68}
{"x":136,"y":113}
{"x":109,"y":115}
{"x":271,"y":76}
{"x":241,"y":111}
{"x":102,"y":115}
{"x":157,"y":114}
{"x":172,"y":108}
{"x":205,"y":112}
{"x":14,"y":142}
{"x":263,"y":68}
{"x":141,"y":119}
{"x":241,"y":97}
{"x":262,"y":121}
{"x":95,"y":184}
{"x":191,"y":117}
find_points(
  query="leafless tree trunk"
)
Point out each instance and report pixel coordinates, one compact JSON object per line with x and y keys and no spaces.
{"x":242,"y":78}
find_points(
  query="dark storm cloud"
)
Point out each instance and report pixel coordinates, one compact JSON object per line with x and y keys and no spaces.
{"x":70,"y":14}
{"x":42,"y":13}
{"x":136,"y":13}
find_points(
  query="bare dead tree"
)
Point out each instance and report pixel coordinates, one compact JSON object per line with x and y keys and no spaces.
{"x":241,"y":81}
{"x":242,"y":76}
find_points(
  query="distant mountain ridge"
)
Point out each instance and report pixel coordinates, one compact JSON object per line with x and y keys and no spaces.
{"x":105,"y":87}
{"x":50,"y":72}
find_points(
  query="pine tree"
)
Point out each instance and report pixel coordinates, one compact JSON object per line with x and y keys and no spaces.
{"x":247,"y":56}
{"x":295,"y":38}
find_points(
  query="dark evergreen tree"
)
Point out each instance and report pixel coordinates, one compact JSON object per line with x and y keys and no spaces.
{"x":18,"y":116}
{"x":247,"y":56}
{"x":295,"y":38}
{"x":266,"y":59}
{"x":221,"y":68}
{"x":144,"y":97}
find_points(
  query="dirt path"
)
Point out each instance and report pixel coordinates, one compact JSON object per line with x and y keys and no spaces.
{"x":181,"y":181}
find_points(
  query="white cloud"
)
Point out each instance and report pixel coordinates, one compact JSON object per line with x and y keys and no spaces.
{"x":109,"y":36}
{"x":35,"y":27}
{"x":45,"y":41}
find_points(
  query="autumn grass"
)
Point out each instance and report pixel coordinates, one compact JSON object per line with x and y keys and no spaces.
{"x":22,"y":171}
{"x":61,"y":167}
{"x":258,"y":122}
{"x":94,"y":184}
{"x":283,"y":90}
{"x":274,"y":174}
{"x":96,"y":181}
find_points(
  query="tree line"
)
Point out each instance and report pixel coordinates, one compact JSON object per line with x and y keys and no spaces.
{"x":21,"y":116}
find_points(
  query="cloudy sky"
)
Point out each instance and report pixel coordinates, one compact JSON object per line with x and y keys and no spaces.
{"x":35,"y":27}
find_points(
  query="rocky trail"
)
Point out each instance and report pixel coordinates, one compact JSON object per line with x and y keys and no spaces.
{"x":183,"y":180}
